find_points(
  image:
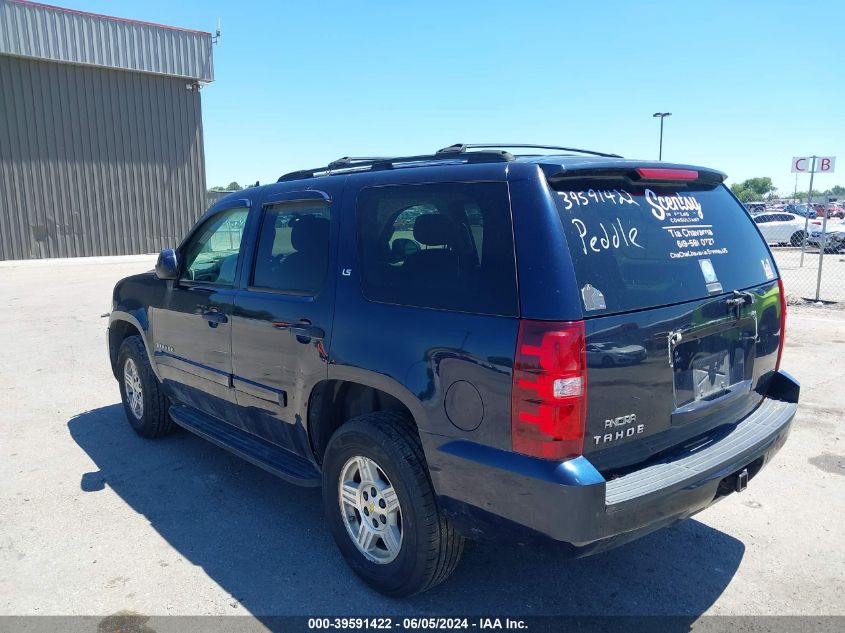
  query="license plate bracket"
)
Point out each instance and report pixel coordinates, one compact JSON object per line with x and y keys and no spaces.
{"x":711,"y":375}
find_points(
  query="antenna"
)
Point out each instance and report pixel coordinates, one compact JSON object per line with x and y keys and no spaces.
{"x":215,"y":39}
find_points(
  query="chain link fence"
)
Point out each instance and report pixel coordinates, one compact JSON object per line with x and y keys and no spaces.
{"x":813,"y":265}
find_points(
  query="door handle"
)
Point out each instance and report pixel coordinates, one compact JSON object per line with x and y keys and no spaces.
{"x":214,"y":317}
{"x":303,"y":331}
{"x":740,"y":299}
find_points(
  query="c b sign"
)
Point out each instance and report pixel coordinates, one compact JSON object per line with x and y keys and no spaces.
{"x":806,"y":164}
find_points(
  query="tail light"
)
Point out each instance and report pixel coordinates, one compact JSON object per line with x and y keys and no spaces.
{"x":549,"y":397}
{"x":782,"y":341}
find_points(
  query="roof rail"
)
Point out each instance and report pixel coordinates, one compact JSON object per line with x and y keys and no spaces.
{"x":461,"y":148}
{"x":351,"y":164}
{"x":349,"y":161}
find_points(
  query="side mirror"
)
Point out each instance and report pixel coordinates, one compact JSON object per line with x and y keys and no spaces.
{"x":167,"y":266}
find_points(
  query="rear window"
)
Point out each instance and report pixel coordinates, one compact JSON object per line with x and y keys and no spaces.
{"x":639,"y":247}
{"x":446,"y":246}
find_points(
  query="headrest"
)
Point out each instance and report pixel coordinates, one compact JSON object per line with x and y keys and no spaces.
{"x":434,"y":229}
{"x":309,"y":232}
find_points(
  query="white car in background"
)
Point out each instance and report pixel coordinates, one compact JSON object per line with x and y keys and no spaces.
{"x":780,"y":228}
{"x":614,"y":354}
{"x":834,"y":240}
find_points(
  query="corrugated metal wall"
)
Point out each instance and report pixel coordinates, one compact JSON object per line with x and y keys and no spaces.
{"x":96,"y":161}
{"x":43,"y":32}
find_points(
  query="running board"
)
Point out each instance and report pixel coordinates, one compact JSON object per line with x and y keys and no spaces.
{"x":252,"y":448}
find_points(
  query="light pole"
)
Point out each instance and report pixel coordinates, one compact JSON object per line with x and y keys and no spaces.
{"x":661,"y":116}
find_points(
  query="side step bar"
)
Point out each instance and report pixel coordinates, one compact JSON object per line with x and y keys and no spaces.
{"x":253,"y":449}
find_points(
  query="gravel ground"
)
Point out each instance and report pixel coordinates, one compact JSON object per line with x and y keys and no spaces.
{"x":94,"y":520}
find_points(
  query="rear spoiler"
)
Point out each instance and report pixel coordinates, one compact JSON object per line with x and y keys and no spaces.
{"x":635,"y":174}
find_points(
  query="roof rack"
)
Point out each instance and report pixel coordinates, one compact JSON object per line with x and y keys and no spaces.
{"x":352,"y":164}
{"x":489,"y":153}
{"x":461,"y":148}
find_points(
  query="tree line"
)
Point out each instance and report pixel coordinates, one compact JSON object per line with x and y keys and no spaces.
{"x":232,"y":186}
{"x":759,"y":189}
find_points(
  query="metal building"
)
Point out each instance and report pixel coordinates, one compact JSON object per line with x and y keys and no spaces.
{"x":101,"y":141}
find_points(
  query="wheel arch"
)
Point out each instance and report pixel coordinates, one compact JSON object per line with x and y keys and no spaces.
{"x":350,"y":392}
{"x":122,"y":325}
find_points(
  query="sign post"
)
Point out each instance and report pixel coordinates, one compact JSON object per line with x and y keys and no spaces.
{"x":822,"y":246}
{"x":809,"y":206}
{"x":811,"y":164}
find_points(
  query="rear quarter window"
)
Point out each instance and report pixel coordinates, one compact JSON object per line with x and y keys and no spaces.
{"x":638,"y":247}
{"x":447,"y":246}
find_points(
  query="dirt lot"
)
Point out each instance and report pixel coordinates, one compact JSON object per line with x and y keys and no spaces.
{"x":94,"y":520}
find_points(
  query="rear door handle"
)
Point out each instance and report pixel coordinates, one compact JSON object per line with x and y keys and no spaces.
{"x":740,"y":298}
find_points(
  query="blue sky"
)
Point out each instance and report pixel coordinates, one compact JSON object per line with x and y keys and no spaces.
{"x":750,"y":84}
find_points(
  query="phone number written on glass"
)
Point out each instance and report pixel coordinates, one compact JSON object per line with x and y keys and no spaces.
{"x":583,"y":198}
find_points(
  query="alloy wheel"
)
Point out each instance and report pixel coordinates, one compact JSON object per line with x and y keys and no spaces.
{"x":134,"y":389}
{"x":370,"y":509}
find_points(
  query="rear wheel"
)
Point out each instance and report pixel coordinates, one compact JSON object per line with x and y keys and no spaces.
{"x":144,"y":402}
{"x":370,"y":509}
{"x":382,"y":509}
{"x":797,"y":238}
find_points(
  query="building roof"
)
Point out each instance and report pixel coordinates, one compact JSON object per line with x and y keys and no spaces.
{"x":44,"y":32}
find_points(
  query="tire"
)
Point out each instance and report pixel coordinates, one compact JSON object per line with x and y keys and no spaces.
{"x":797,"y":238}
{"x":147,"y":411}
{"x":607,"y":361}
{"x":426,"y":549}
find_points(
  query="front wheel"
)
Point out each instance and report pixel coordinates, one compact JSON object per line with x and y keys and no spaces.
{"x":382,"y":509}
{"x":143,"y":401}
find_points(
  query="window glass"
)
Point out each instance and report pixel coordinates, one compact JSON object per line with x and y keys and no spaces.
{"x":447,"y":246}
{"x":637,"y":247}
{"x":293,"y":249}
{"x":212,"y":254}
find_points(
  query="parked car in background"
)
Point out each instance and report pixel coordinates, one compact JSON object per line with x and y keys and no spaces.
{"x":836,"y":212}
{"x":613,"y":354}
{"x":831,"y":213}
{"x":834,"y":238}
{"x":800,"y":209}
{"x":755,"y":207}
{"x":781,"y":228}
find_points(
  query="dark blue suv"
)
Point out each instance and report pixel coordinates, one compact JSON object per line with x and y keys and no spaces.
{"x":559,"y":344}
